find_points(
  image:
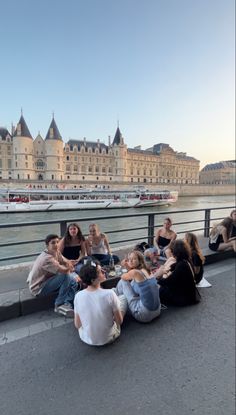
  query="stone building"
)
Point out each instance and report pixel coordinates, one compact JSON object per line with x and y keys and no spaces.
{"x":222,"y":172}
{"x":50,"y":160}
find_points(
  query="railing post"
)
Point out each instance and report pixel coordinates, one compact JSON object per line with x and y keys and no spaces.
{"x":207,"y":222}
{"x":151,"y":218}
{"x":63,"y":226}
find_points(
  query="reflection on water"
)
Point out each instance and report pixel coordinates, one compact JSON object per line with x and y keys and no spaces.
{"x":123,"y":224}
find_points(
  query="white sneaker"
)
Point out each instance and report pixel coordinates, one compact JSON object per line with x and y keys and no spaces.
{"x":65,"y":310}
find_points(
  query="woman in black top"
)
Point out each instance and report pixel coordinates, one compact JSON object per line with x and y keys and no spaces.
{"x":72,"y":245}
{"x":179,"y":287}
{"x":196,"y":255}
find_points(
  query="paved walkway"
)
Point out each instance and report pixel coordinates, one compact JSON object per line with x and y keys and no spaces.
{"x":180,"y":364}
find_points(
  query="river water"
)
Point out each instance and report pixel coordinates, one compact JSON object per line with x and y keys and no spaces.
{"x":122,"y":224}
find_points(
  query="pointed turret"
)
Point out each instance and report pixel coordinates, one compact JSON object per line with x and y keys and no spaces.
{"x":22,"y":129}
{"x":118,"y":139}
{"x":53,"y":132}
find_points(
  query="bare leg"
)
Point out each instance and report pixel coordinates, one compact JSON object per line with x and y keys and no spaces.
{"x":227,"y":246}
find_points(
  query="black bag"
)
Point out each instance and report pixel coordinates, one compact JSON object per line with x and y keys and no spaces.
{"x":142,"y":247}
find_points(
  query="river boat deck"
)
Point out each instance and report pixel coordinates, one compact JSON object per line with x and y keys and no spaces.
{"x":80,"y":199}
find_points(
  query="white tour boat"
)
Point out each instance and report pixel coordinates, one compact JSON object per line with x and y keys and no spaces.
{"x":15,"y":200}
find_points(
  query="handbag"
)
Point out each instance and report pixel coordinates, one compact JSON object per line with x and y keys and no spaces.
{"x":197,"y":293}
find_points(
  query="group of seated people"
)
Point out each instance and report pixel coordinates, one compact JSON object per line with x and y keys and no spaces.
{"x":144,"y":285}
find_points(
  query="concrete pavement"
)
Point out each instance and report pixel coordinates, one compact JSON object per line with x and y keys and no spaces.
{"x":180,"y":364}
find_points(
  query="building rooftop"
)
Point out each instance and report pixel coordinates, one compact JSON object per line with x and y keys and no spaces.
{"x":220,"y":165}
{"x":22,"y":129}
{"x":53,"y":132}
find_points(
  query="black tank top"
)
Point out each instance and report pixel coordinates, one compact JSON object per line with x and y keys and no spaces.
{"x":162,"y":241}
{"x":71,"y":252}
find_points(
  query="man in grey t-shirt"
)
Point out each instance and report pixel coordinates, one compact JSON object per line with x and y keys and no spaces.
{"x":52,"y":272}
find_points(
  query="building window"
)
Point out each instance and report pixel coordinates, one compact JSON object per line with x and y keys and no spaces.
{"x":67,"y":158}
{"x":52,"y":176}
{"x":39,"y":164}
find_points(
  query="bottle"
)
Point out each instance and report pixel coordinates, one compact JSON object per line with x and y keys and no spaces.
{"x":111,"y":263}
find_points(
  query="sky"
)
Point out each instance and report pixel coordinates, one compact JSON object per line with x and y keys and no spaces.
{"x":162,"y":69}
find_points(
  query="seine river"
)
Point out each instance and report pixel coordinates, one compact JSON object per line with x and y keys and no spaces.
{"x":123,"y":224}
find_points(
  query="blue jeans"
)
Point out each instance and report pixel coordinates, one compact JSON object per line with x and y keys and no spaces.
{"x":136,"y":307}
{"x":65,"y":283}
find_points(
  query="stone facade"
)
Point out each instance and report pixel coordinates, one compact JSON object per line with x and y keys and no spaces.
{"x":50,"y":160}
{"x":221,"y":173}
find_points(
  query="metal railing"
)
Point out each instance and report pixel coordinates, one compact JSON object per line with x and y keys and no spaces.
{"x":144,"y":231}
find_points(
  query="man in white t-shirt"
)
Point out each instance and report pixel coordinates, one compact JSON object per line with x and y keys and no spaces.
{"x":98,"y":312}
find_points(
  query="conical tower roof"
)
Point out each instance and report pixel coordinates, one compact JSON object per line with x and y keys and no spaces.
{"x":118,"y":137}
{"x":22,"y":129}
{"x":53,"y":132}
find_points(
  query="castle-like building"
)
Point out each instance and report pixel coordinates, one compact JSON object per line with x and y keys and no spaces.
{"x":50,"y":160}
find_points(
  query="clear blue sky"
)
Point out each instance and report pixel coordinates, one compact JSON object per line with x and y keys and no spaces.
{"x":164,"y":68}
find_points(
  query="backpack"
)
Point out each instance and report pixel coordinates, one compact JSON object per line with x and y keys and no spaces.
{"x":142,"y":247}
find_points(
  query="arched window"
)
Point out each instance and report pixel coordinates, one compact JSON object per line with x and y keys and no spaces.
{"x":40,"y":164}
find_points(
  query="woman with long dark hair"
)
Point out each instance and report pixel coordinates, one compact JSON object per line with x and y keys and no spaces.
{"x":196,"y":255}
{"x":72,"y":245}
{"x":179,"y":287}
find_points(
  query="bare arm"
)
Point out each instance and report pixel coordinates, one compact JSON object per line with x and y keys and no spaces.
{"x":224,"y":235}
{"x":88,"y":245}
{"x":118,"y":318}
{"x":157,"y":238}
{"x":128,"y":275}
{"x":61,"y":245}
{"x":106,"y":243}
{"x":77,"y":321}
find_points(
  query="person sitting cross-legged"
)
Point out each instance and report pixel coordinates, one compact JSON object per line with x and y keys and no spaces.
{"x":140,"y":289}
{"x":98,"y":312}
{"x":52,"y":272}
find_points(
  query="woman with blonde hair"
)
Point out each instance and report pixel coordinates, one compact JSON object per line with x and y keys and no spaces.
{"x":97,"y":246}
{"x":196,"y":255}
{"x":140,"y":289}
{"x":220,"y":236}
